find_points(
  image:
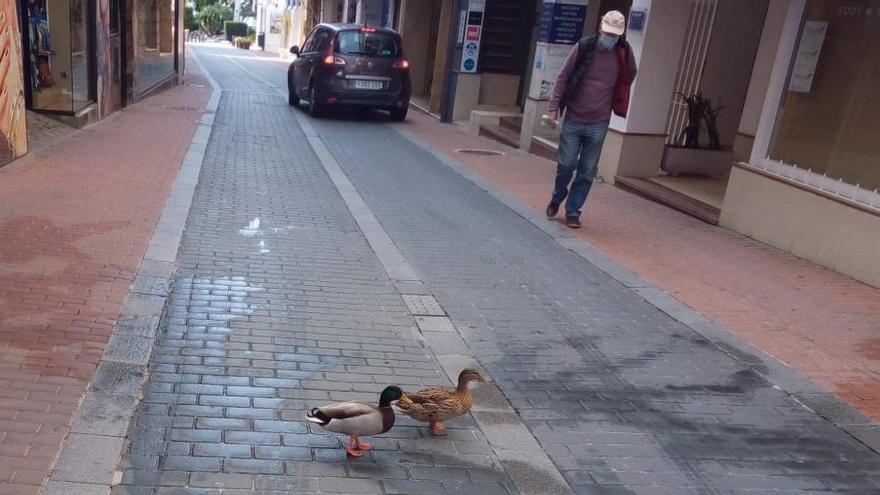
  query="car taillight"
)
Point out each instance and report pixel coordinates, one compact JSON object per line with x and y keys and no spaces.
{"x":333,"y":60}
{"x":401,"y":64}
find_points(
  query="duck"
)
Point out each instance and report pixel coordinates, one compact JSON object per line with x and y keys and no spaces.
{"x":439,"y":404}
{"x":358,"y":419}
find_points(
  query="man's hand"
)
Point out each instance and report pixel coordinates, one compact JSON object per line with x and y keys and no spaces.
{"x":552,"y":116}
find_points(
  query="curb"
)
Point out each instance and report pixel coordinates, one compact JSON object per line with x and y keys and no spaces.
{"x":87,"y":461}
{"x":775,"y":371}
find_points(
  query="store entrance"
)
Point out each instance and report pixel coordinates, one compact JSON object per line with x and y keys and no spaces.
{"x":58,"y":54}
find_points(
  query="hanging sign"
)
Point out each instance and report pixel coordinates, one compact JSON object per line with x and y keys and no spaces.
{"x":470,"y":53}
{"x":562,"y":21}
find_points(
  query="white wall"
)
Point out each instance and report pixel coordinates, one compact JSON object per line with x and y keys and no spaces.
{"x":656,"y":50}
{"x":763,"y":67}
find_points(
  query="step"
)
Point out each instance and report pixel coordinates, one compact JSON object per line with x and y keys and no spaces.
{"x":512,"y":123}
{"x":543,"y":147}
{"x":500,"y":134}
{"x":668,"y":197}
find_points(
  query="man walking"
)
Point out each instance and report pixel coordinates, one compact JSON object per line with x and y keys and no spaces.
{"x":595,"y":80}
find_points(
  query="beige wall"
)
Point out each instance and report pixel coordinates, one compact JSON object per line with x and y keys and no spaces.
{"x":630,"y":155}
{"x":499,"y":89}
{"x":730,"y":58}
{"x":415,"y":29}
{"x":808,"y":225}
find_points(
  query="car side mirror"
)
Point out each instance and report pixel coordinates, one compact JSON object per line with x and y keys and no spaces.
{"x":294,"y":50}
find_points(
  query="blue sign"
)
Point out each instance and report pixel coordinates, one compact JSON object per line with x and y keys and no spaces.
{"x":469,"y":64}
{"x":562,"y":23}
{"x":637,"y":20}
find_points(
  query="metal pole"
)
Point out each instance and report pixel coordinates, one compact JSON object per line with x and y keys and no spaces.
{"x":449,"y":80}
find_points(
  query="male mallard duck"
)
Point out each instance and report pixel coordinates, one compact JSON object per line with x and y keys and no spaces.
{"x":436,"y":405}
{"x":358,"y":419}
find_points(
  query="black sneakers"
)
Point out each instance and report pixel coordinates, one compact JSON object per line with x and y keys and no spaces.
{"x":573,"y":222}
{"x":552,"y":209}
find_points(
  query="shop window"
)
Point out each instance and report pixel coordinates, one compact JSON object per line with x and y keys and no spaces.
{"x":155,"y":42}
{"x":59,"y":54}
{"x":830,"y":113}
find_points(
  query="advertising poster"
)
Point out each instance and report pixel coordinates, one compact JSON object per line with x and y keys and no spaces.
{"x":13,"y":130}
{"x":562,"y":25}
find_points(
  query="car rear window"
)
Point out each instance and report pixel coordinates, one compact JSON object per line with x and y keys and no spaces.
{"x":370,"y":44}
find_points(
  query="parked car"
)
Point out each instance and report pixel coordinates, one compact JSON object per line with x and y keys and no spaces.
{"x":350,"y":65}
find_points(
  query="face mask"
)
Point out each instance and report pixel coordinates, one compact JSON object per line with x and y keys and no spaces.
{"x":607,"y":41}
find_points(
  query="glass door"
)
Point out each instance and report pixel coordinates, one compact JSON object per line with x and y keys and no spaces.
{"x":59,"y":57}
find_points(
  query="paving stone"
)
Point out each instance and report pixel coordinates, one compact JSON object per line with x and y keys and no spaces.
{"x":84,"y":458}
{"x":352,"y":486}
{"x":221,"y":480}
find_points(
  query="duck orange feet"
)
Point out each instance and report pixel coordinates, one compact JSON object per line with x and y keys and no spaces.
{"x":437,"y":428}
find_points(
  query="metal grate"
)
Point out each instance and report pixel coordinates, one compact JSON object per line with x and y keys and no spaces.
{"x":690,"y":66}
{"x":470,"y":151}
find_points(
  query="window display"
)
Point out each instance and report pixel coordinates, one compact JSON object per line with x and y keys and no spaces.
{"x":59,"y":54}
{"x":155,"y":44}
{"x":831,"y":110}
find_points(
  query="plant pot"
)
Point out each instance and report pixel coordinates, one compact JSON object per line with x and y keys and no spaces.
{"x":679,"y":160}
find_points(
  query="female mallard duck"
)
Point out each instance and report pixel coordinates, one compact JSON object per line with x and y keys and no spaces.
{"x":357,"y":419}
{"x":436,"y":405}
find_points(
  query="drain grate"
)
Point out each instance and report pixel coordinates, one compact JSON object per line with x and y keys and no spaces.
{"x":182,"y":108}
{"x":475,"y":151}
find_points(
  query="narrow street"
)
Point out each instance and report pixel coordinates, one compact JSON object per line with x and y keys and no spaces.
{"x":283,"y":301}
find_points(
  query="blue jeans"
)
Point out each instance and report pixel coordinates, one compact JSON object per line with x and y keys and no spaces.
{"x":579,"y":147}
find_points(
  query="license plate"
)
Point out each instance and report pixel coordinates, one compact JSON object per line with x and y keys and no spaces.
{"x":361,"y":84}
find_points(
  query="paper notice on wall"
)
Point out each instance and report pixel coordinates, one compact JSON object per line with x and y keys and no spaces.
{"x":809,"y":49}
{"x":549,"y":59}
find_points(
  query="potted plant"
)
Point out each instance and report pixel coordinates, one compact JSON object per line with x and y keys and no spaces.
{"x":688,"y":155}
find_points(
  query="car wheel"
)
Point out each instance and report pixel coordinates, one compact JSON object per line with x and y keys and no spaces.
{"x":292,"y":99}
{"x":399,"y":114}
{"x":315,"y":107}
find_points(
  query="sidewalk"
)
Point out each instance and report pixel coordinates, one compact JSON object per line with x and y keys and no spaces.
{"x":823,"y":324}
{"x":76,"y":219}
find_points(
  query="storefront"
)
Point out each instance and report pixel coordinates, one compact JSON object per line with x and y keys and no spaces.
{"x":86,"y":59}
{"x":77,"y":61}
{"x":810,"y":185}
{"x":59,"y":58}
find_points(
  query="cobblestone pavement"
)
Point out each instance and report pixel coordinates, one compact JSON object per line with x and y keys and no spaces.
{"x":623,"y":398}
{"x":618,"y":393}
{"x":280,"y":305}
{"x":76,"y":215}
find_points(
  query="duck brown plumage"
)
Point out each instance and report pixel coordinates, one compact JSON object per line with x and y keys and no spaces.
{"x":438,"y":404}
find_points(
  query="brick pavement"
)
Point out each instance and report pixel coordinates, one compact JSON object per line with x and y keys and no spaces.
{"x":279,"y":305}
{"x":823,"y":324}
{"x":76,"y":219}
{"x":622,"y":398}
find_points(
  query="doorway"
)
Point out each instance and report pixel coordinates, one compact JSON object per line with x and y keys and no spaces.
{"x":58,"y":40}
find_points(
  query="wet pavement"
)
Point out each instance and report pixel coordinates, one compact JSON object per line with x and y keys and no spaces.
{"x":280,"y":304}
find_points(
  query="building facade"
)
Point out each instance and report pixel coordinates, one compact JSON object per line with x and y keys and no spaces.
{"x":81,"y":60}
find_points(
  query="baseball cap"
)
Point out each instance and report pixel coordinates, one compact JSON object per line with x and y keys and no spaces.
{"x":613,"y":22}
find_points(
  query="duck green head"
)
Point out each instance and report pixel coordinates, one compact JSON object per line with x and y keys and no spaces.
{"x":390,"y":394}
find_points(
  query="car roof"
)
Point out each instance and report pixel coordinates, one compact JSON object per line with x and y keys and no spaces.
{"x":342,"y":26}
